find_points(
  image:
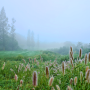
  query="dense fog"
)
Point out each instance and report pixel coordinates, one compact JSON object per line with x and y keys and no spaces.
{"x":43,"y":25}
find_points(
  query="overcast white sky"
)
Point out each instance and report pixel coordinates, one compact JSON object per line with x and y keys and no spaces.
{"x":53,"y":20}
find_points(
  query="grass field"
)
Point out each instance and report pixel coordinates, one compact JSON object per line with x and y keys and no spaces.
{"x":16,"y":53}
{"x":43,"y":72}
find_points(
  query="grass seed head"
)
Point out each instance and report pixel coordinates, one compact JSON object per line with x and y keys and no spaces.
{"x":3,"y":66}
{"x":35,"y":78}
{"x":80,"y":52}
{"x":88,"y":75}
{"x":89,"y":57}
{"x":47,"y":71}
{"x":58,"y":88}
{"x":71,"y":81}
{"x":60,"y":81}
{"x":24,"y":60}
{"x":69,"y":88}
{"x":63,"y":67}
{"x":52,"y":88}
{"x":85,"y":59}
{"x":87,"y":67}
{"x":81,"y":76}
{"x":16,"y":77}
{"x":75,"y":80}
{"x":51,"y":81}
{"x":21,"y":82}
{"x":70,"y":48}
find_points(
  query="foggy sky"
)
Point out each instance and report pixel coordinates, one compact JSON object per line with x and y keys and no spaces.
{"x":53,"y":20}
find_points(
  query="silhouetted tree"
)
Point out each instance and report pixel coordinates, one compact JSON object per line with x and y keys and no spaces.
{"x":4,"y":27}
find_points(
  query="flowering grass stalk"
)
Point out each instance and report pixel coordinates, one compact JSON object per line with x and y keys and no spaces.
{"x":87,"y":67}
{"x":71,"y":80}
{"x":75,"y":80}
{"x":88,"y":75}
{"x":16,"y":77}
{"x":47,"y":71}
{"x":3,"y":66}
{"x":58,"y":88}
{"x":51,"y":81}
{"x":35,"y":78}
{"x":80,"y":52}
{"x":81,"y":76}
{"x":89,"y":57}
{"x":85,"y":59}
{"x":21,"y":82}
{"x":63,"y":68}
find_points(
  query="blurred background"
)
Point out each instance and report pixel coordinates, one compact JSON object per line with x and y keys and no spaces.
{"x":52,"y":25}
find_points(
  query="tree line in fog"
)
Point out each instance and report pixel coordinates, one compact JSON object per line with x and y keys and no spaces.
{"x":7,"y":33}
{"x":8,"y":38}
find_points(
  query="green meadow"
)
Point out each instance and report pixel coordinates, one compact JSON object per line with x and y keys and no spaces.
{"x":24,"y":63}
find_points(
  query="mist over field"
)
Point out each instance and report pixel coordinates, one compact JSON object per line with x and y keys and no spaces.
{"x":47,"y":24}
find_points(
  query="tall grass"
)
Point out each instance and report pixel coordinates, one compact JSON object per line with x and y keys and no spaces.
{"x":36,"y":74}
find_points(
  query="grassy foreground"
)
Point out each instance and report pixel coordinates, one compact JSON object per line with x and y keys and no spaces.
{"x":49,"y":75}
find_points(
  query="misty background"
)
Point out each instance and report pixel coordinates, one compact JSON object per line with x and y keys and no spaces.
{"x":44,"y":24}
